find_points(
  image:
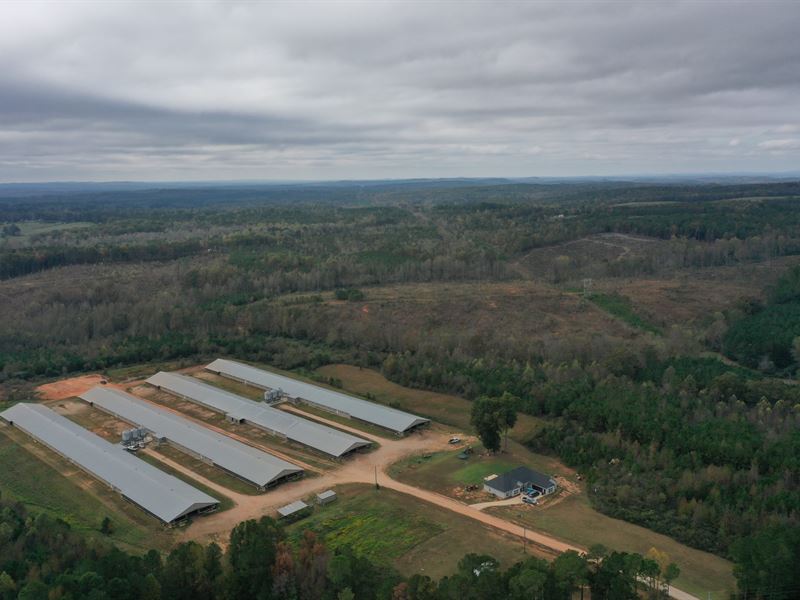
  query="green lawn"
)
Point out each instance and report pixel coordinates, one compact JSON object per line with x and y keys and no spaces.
{"x":444,"y":471}
{"x":52,"y":485}
{"x":412,"y":535}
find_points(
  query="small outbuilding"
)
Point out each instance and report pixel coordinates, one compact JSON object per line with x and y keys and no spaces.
{"x":296,"y":510}
{"x":516,"y":481}
{"x":326,"y":497}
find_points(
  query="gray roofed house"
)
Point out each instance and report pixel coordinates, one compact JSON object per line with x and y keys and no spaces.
{"x":257,"y":467}
{"x":159,"y":493}
{"x":336,"y":402}
{"x":278,"y":422}
{"x":517,"y":480}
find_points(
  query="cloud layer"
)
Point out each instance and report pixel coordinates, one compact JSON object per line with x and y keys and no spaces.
{"x":326,"y":90}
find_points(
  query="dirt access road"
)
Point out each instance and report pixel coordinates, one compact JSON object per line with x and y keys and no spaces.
{"x":365,"y":468}
{"x":361,"y":468}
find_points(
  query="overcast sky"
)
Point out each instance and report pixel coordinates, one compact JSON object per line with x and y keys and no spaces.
{"x":264,"y":90}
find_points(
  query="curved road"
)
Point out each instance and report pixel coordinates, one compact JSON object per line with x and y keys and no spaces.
{"x":362,"y":468}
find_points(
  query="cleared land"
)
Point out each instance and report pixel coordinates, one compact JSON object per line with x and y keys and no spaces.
{"x":427,"y":515}
{"x":68,"y":388}
{"x":574,"y":520}
{"x":444,"y":473}
{"x":412,"y":535}
{"x":566,"y":515}
{"x":693,"y":297}
{"x":529,"y":316}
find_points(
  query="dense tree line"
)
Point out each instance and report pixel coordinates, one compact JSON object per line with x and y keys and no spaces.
{"x":41,"y":558}
{"x":765,"y":337}
{"x":692,"y":448}
{"x":695,"y":448}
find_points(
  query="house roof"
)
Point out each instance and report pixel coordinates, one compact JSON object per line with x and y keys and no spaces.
{"x":519,"y":477}
{"x":390,"y":418}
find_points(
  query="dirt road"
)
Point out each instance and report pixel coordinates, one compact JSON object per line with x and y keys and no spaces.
{"x":363,"y":468}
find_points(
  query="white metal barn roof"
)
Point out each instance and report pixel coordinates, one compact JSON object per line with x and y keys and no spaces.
{"x":160,"y":494}
{"x":292,"y":508}
{"x":249,"y":463}
{"x":390,"y":418}
{"x":326,"y":439}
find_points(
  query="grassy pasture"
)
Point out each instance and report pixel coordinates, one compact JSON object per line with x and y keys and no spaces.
{"x":412,"y":535}
{"x":44,"y":481}
{"x":575,"y":521}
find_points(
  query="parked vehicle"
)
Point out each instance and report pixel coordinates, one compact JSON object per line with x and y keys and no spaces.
{"x":530,"y":500}
{"x":454,"y":440}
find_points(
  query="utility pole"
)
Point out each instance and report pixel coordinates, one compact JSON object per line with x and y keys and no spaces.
{"x":377,"y":487}
{"x":524,"y":541}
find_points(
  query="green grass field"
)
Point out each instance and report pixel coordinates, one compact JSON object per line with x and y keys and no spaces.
{"x":574,"y":520}
{"x":444,"y":471}
{"x":412,"y":535}
{"x":60,"y":489}
{"x":571,"y":518}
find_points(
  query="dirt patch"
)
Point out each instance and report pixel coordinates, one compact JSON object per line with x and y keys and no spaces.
{"x":566,"y":488}
{"x":98,"y":422}
{"x":68,"y":388}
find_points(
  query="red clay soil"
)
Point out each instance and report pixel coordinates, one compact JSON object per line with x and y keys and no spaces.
{"x":67,"y":388}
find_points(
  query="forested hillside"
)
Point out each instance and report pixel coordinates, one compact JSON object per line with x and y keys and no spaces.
{"x":653,"y":328}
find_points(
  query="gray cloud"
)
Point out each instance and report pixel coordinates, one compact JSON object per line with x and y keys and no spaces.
{"x":141,"y":90}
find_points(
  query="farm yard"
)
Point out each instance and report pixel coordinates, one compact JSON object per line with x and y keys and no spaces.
{"x":425,"y":529}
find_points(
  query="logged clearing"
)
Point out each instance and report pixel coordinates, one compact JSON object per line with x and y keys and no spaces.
{"x":525,"y":316}
{"x":586,"y":257}
{"x":693,"y":297}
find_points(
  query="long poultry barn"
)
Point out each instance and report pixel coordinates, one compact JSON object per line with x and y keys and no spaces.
{"x":160,"y":494}
{"x":254,"y":466}
{"x":277,"y":422}
{"x":395,"y":420}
